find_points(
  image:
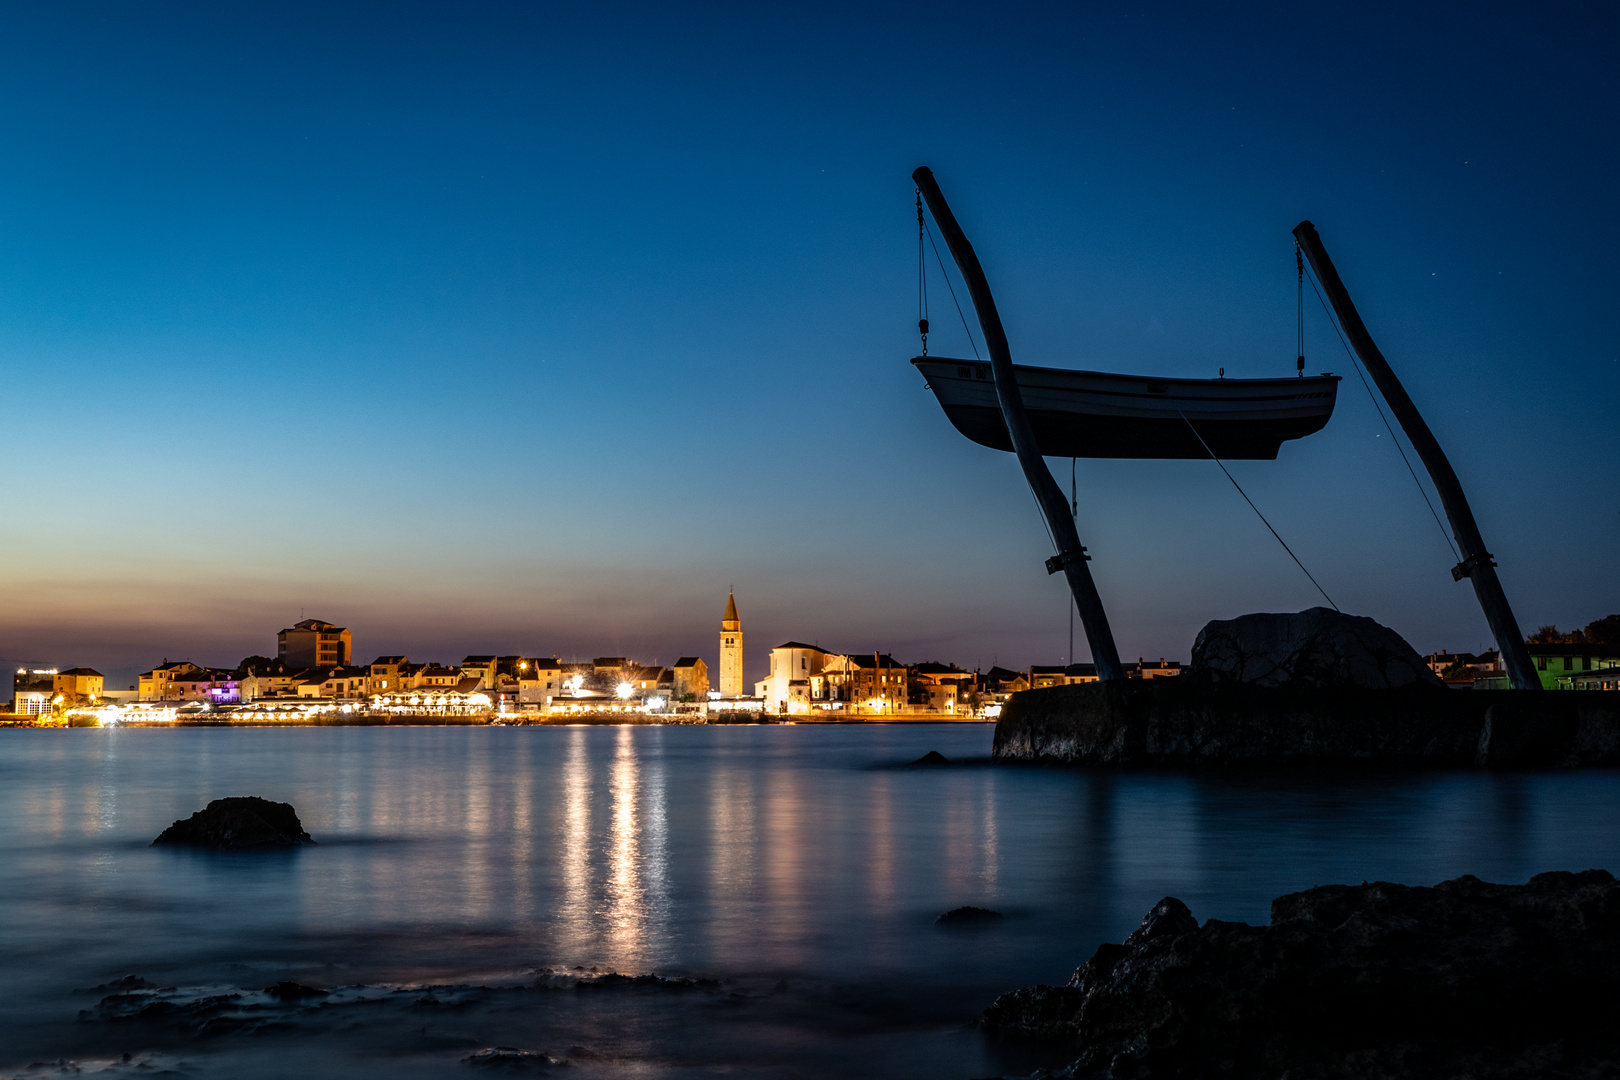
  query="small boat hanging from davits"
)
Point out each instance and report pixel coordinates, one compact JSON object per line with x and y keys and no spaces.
{"x":1092,"y":414}
{"x":1095,"y":414}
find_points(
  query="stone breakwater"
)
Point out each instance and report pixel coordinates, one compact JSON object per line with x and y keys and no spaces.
{"x":1371,"y":981}
{"x":1187,"y":721}
{"x":1315,"y":686}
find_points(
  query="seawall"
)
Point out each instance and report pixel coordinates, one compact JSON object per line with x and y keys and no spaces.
{"x":1188,"y":722}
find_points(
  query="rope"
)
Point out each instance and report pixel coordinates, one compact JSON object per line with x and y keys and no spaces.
{"x":1355,"y":362}
{"x":1256,"y":509}
{"x":1299,"y":265}
{"x":1074,"y":510}
{"x":951,"y":287}
{"x":922,"y":279}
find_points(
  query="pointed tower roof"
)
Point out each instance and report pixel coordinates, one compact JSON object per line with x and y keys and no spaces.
{"x":731,"y":608}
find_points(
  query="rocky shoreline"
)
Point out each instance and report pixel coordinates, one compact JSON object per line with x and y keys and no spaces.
{"x":1378,"y":980}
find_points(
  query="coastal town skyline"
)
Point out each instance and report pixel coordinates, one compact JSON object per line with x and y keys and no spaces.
{"x":751,"y":660}
{"x":314,"y":667}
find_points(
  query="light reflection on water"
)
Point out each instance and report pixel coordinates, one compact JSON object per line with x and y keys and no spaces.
{"x":801,"y":858}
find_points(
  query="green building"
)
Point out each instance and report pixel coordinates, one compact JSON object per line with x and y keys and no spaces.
{"x":1557,"y":665}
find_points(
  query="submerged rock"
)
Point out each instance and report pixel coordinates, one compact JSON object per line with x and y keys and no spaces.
{"x":968,"y":916}
{"x":1317,"y":648}
{"x":291,"y":991}
{"x":509,"y":1057}
{"x":127,"y":984}
{"x":933,"y":757}
{"x":1379,"y":980}
{"x":237,"y":824}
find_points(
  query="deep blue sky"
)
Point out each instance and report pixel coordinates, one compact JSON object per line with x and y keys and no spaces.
{"x":532,"y":328}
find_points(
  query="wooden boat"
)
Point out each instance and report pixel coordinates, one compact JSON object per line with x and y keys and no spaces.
{"x":1100,"y":415}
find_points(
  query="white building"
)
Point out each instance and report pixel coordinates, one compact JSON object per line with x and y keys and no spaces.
{"x":802,"y":677}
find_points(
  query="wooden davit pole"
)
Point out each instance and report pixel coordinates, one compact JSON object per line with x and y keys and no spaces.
{"x":1477,"y":563}
{"x":1071,"y":557}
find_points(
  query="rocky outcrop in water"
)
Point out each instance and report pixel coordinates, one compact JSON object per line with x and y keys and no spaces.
{"x":1318,"y":649}
{"x":511,"y":1058}
{"x":238,"y":824}
{"x":969,"y":916}
{"x":1371,"y":981}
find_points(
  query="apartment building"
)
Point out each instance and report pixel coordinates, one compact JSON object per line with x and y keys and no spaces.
{"x":313,"y":643}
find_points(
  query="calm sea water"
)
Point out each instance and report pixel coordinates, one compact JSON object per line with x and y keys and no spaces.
{"x":471,"y":886}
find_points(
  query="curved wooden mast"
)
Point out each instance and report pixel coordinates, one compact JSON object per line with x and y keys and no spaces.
{"x":1477,"y":564}
{"x":1071,"y":557}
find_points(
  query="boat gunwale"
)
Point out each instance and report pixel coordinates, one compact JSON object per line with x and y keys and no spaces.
{"x":1279,"y":382}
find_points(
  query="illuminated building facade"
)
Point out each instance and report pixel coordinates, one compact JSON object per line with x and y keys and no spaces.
{"x":32,"y":691}
{"x":79,"y":682}
{"x":797,"y":677}
{"x":385,"y":674}
{"x":158,"y":684}
{"x":689,"y":679}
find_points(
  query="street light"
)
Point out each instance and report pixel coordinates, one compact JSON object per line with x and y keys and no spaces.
{"x":625,"y":690}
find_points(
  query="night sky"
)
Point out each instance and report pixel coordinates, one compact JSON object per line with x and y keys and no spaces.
{"x":534,"y":328}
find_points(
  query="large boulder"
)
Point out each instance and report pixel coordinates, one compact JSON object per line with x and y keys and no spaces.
{"x":238,"y":823}
{"x":1318,"y":648}
{"x":1381,"y":980}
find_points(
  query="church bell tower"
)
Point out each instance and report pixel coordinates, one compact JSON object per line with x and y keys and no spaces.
{"x":731,"y":651}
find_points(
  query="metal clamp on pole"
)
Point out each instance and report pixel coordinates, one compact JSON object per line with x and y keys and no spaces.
{"x":1467,"y":566}
{"x":1058,"y":562}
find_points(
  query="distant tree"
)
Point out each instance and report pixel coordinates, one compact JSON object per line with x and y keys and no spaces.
{"x":1459,"y":670}
{"x":258,"y":665}
{"x":1604,"y":631}
{"x":1547,"y":635}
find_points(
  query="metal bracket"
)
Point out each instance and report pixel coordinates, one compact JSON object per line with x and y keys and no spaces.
{"x":1466,"y":567}
{"x":1058,"y":562}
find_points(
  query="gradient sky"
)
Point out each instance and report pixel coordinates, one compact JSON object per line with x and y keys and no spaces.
{"x":532,"y":328}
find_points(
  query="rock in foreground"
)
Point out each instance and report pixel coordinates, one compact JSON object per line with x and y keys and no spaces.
{"x":1381,"y":980}
{"x":238,"y":824}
